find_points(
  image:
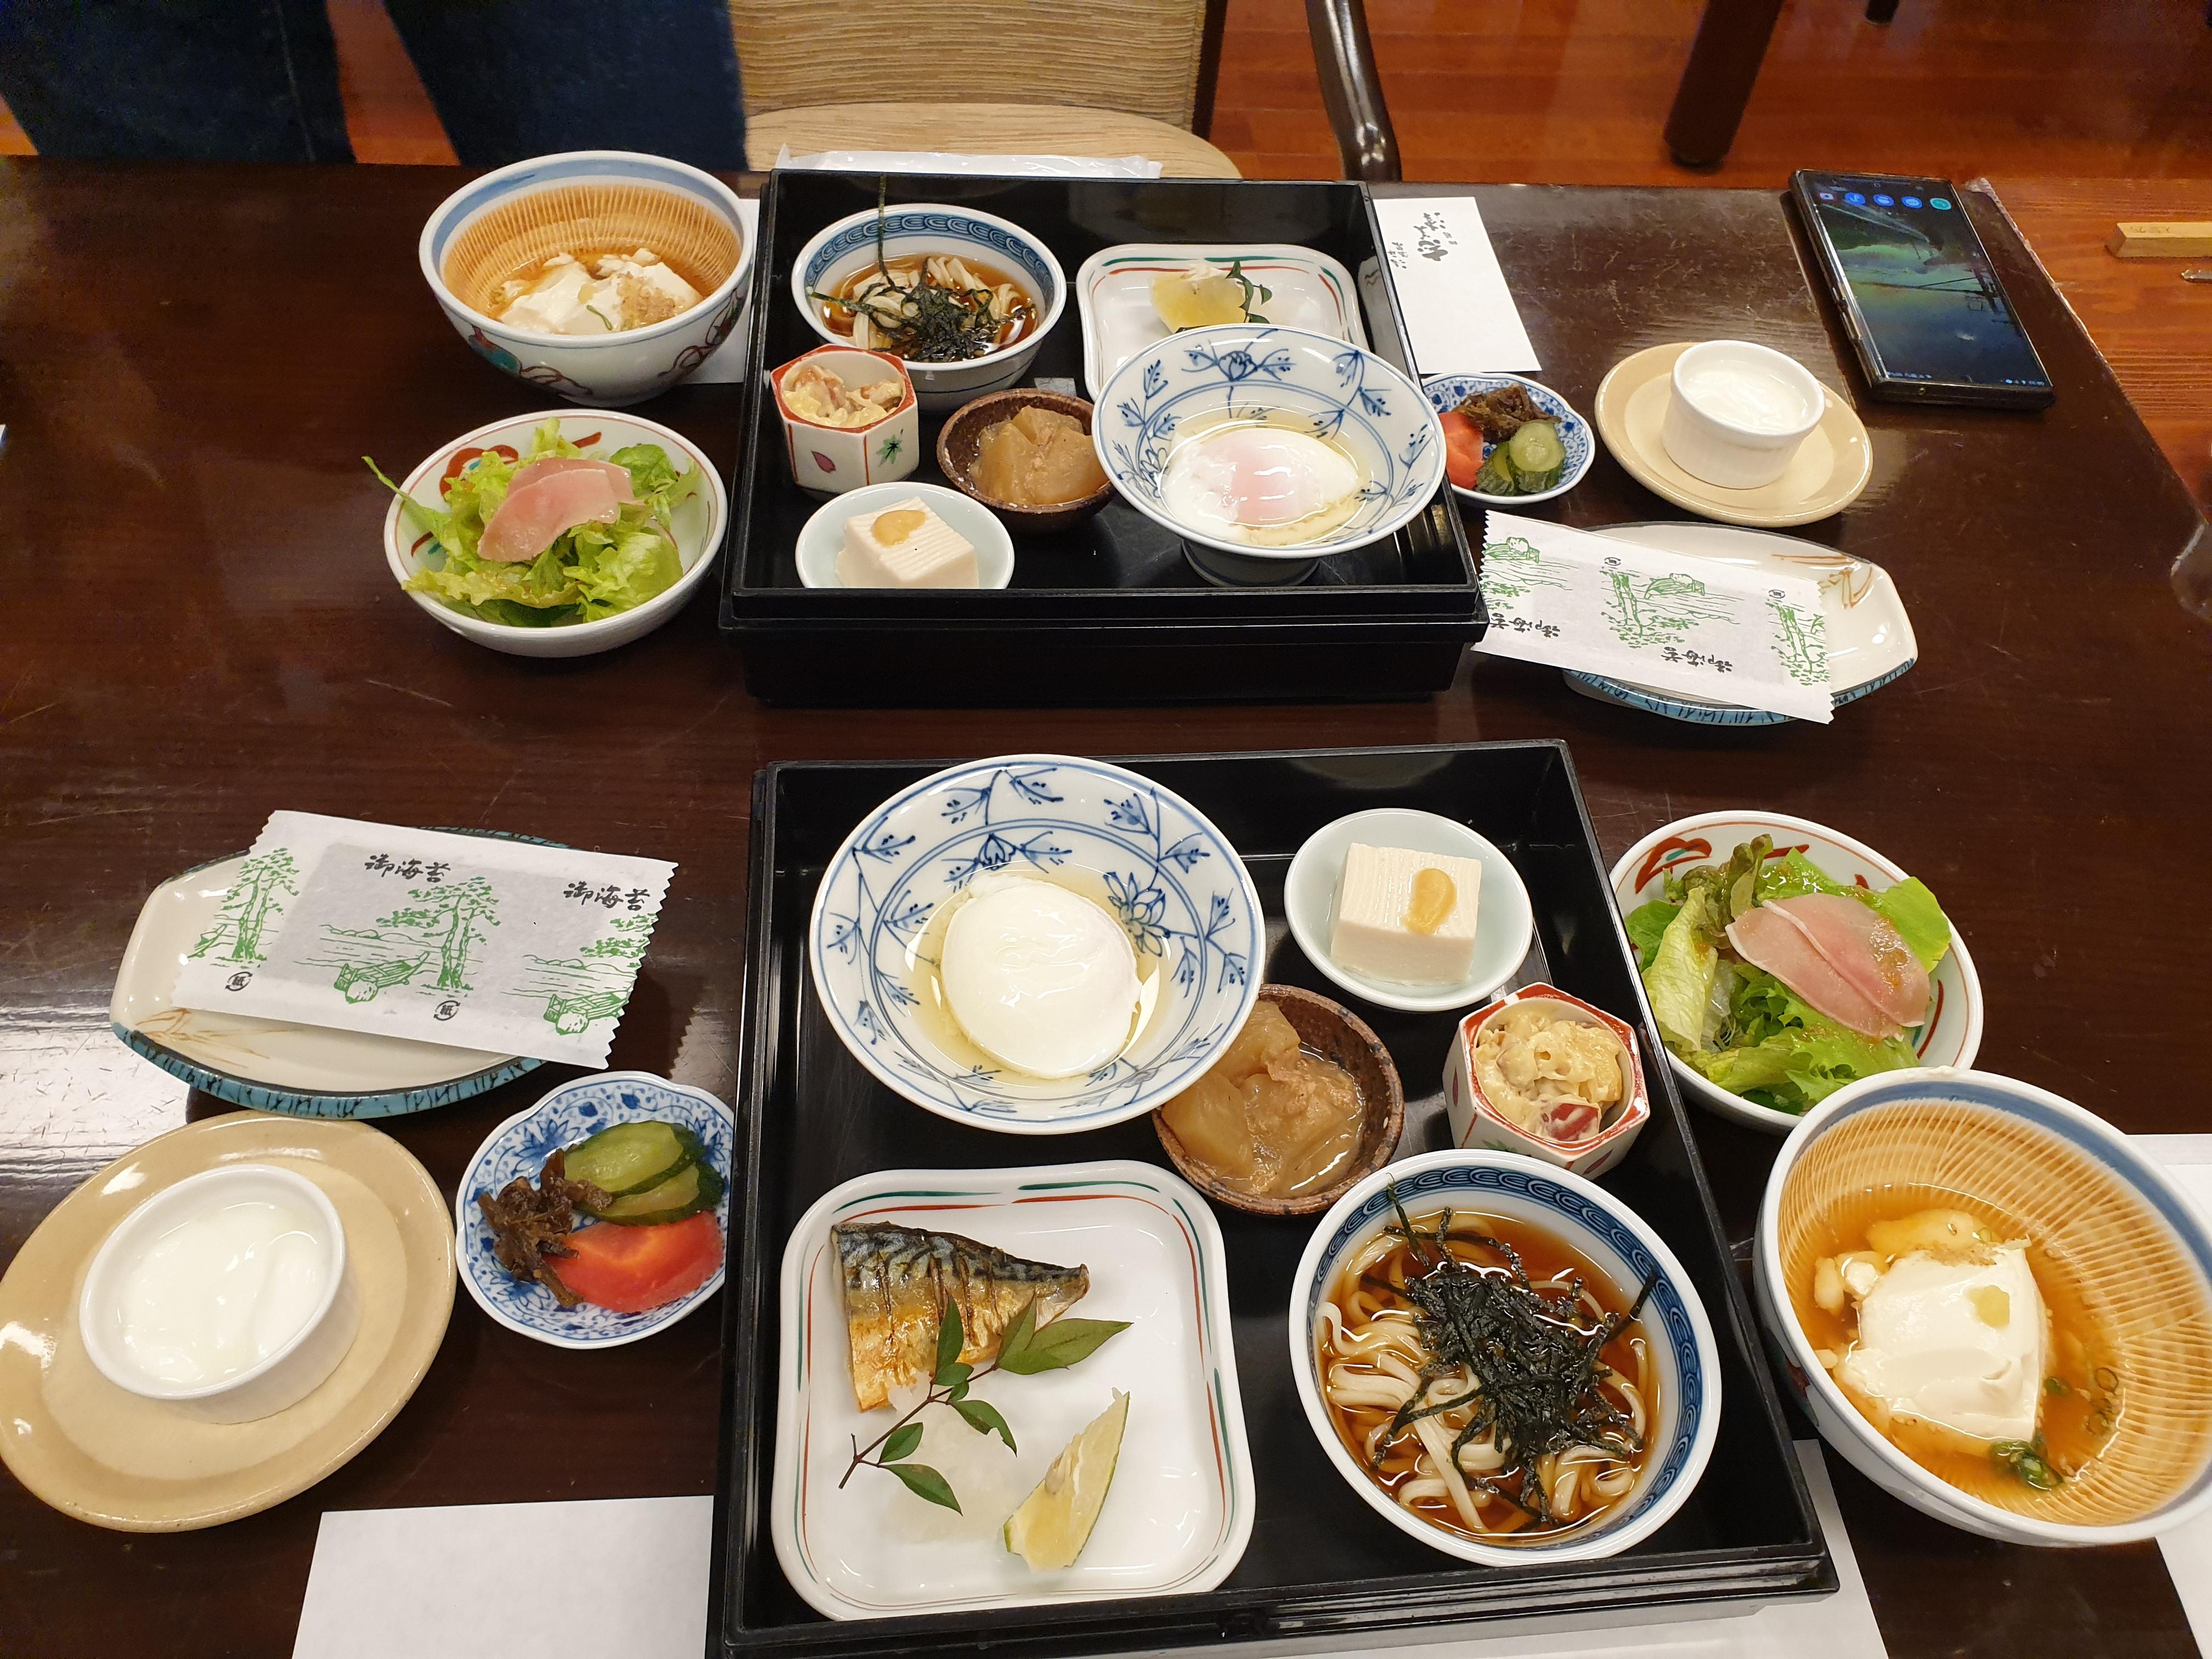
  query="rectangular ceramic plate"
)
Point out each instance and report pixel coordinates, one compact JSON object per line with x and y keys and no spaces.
{"x":1321,"y":1568}
{"x":1179,"y":1512}
{"x":1114,"y":296}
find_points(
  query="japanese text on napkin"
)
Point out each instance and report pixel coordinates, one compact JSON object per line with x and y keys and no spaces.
{"x":1459,"y":312}
{"x":1696,"y":627}
{"x":478,"y":943}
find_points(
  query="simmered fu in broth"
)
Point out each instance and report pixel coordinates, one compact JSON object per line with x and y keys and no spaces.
{"x":930,"y":309}
{"x":1486,"y":1378}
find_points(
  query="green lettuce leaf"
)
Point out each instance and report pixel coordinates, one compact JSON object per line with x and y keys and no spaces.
{"x":1680,"y":980}
{"x":1645,"y":924}
{"x":1907,"y":905}
{"x":1780,"y":1051}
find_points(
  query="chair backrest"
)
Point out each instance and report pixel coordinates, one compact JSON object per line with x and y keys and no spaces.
{"x":1153,"y":57}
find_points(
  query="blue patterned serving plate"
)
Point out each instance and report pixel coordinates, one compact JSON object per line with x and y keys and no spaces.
{"x":271,"y":1065}
{"x":1615,"y":1240}
{"x":1171,"y":879}
{"x":1338,"y":390}
{"x":1447,"y":391}
{"x":520,"y":1146}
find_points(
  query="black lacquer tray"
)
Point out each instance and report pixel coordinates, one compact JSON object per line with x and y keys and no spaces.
{"x":1322,"y":1570}
{"x":1109,"y":610}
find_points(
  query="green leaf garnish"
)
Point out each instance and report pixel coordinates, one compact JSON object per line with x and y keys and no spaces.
{"x":950,"y":1341}
{"x":1062,"y":1343}
{"x":983,"y":1416}
{"x":926,"y":1483}
{"x":903,"y":1440}
{"x":2028,"y":1460}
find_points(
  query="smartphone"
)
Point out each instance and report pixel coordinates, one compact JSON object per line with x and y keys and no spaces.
{"x":1928,"y":318}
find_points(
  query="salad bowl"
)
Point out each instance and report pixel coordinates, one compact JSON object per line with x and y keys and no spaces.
{"x":844,"y":248}
{"x":1951,"y":1033}
{"x":1170,"y":880}
{"x":696,"y":526}
{"x":1611,"y":1237}
{"x":647,"y":197}
{"x":1336,"y":390}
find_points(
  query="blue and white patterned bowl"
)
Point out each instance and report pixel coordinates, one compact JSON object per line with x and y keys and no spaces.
{"x":1615,"y":1240}
{"x":520,"y":1146}
{"x":1448,"y":391}
{"x":1346,"y":394}
{"x":843,"y":249}
{"x":1171,"y":878}
{"x":607,"y":369}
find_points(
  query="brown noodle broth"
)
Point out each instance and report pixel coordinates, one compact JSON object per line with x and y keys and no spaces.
{"x":910,"y":271}
{"x":1373,"y":1285}
{"x":2076,"y":1419}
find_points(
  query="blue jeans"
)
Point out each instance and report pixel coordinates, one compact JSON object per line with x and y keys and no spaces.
{"x":257,"y":80}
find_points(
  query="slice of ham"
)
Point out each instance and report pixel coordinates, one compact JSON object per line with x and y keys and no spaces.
{"x":549,"y":497}
{"x":1852,"y":968}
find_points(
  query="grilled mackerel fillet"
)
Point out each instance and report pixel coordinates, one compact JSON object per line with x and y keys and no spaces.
{"x":895,"y":1280}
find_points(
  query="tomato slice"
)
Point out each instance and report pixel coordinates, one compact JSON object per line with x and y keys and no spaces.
{"x":631,"y":1269}
{"x":1462,"y":449}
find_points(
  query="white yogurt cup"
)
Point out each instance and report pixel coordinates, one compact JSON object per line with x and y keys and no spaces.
{"x":225,"y":1296}
{"x":1738,"y":413}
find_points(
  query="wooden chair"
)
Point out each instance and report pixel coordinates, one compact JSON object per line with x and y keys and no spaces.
{"x":1063,"y":78}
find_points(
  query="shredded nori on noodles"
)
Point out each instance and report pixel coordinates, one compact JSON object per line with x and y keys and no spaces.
{"x":946,"y":325}
{"x":1535,"y":1353}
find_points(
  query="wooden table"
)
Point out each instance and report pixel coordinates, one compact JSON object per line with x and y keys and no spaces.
{"x":200,"y":627}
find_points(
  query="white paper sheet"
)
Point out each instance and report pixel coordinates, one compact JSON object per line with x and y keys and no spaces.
{"x":470,"y":1583}
{"x":509,"y":946}
{"x":1457,"y":308}
{"x":485,"y":1581}
{"x":2188,"y":1551}
{"x":1651,"y":618}
{"x":1021,"y":167}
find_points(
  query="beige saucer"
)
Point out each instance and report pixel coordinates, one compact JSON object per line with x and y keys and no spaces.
{"x":108,"y":1456}
{"x":1830,"y":469}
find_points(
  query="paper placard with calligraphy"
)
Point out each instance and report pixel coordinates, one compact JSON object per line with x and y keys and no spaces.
{"x":1460,"y":315}
{"x":511,"y":946}
{"x":1665,"y":621}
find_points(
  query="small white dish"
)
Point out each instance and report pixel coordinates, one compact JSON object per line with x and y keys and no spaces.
{"x":1448,"y":391}
{"x":1953,"y":1033}
{"x":1506,"y":922}
{"x":1180,"y":1510}
{"x":290,"y":1371}
{"x":1739,"y":413}
{"x":696,"y":524}
{"x":1613,"y":1239}
{"x":828,"y":460}
{"x":1335,"y":391}
{"x":520,"y":1147}
{"x":621,"y":368}
{"x":1114,"y":296}
{"x":1869,"y":638}
{"x":823,"y":536}
{"x":1148,"y":856}
{"x":844,"y":248}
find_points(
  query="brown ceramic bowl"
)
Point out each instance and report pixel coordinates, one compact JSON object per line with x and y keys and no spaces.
{"x":1336,"y":1034}
{"x":957,"y":440}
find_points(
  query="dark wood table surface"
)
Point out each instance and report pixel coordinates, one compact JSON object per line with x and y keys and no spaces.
{"x":198,"y":627}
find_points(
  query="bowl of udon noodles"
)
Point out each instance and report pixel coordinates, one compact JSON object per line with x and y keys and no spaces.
{"x":1993,"y":1307}
{"x":1503,"y":1359}
{"x":964,"y":297}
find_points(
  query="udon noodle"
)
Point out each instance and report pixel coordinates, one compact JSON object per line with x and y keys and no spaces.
{"x":1486,"y":1378}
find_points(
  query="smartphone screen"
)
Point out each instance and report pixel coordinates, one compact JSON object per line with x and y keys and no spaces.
{"x":1929,"y":308}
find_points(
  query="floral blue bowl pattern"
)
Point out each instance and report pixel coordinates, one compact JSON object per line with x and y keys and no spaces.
{"x":1448,"y":391}
{"x":1175,"y":884}
{"x":520,"y":1146}
{"x":1674,"y":1314}
{"x":1342,"y":392}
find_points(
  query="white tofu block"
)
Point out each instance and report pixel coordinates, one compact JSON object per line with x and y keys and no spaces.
{"x":932,"y":554}
{"x":1368,"y":933}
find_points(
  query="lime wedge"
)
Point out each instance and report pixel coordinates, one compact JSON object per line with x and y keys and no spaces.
{"x":1055,"y":1522}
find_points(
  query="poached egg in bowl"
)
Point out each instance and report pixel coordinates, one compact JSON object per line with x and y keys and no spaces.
{"x":1266,"y":484}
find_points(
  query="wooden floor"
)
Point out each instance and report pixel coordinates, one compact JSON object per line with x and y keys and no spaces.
{"x":2043,"y":96}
